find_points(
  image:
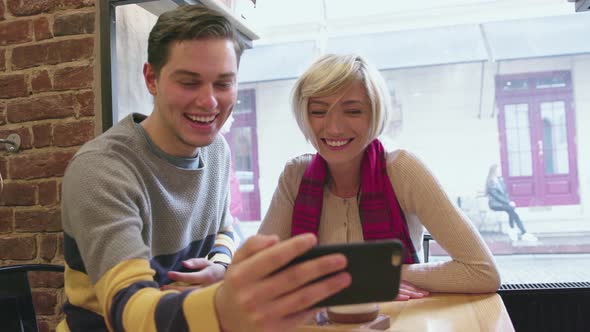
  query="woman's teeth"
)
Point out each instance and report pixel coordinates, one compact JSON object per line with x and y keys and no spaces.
{"x":336,"y":143}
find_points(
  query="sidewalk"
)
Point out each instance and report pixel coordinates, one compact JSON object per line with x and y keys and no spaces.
{"x":556,"y":243}
{"x":554,"y":258}
{"x":561,"y":257}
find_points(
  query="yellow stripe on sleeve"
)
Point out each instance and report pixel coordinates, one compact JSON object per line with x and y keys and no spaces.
{"x":222,"y":258}
{"x":80,"y":290}
{"x":121,"y":276}
{"x":62,"y":326}
{"x":199,"y":309}
{"x":226,"y":241}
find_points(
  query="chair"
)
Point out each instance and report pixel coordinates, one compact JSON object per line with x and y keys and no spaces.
{"x":477,"y":210}
{"x":17,"y":312}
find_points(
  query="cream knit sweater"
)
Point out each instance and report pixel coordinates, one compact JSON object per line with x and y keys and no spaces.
{"x":471,"y":268}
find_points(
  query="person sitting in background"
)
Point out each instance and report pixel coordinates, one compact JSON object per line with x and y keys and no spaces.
{"x":353,"y":190}
{"x":498,"y":200}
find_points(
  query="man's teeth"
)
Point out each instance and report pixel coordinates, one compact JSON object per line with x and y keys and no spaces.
{"x":336,"y":143}
{"x":201,"y":118}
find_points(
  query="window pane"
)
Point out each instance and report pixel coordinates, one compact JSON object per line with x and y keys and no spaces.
{"x":555,"y":146}
{"x":446,"y":78}
{"x":550,"y":82}
{"x":515,"y":84}
{"x":465,"y":100}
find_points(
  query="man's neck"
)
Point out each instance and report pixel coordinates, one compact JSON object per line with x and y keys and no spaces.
{"x":164,"y":140}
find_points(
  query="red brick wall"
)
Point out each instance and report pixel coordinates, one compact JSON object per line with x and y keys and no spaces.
{"x":47,"y":59}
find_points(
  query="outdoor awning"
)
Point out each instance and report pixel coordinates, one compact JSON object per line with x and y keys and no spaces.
{"x":276,"y":62}
{"x":506,"y":40}
{"x":539,"y":37}
{"x":413,"y":48}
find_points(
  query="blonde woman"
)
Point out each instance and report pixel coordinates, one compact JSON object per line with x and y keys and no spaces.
{"x":353,"y":190}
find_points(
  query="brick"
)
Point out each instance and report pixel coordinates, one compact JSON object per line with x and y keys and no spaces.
{"x":44,"y":325}
{"x":37,"y":220}
{"x":44,"y":301}
{"x":73,"y":78}
{"x":31,"y":56}
{"x":2,"y":58}
{"x":25,"y":137}
{"x":41,"y":29}
{"x":18,"y":247}
{"x":85,"y":101}
{"x":75,"y":3}
{"x":48,"y":193}
{"x":52,"y":52}
{"x":15,"y":32}
{"x":3,"y":165}
{"x":46,"y":279}
{"x":40,"y":165}
{"x":2,"y":113}
{"x":6,"y":220}
{"x":60,"y":245}
{"x":73,"y":24}
{"x":40,"y":108}
{"x":18,"y":194}
{"x":73,"y":133}
{"x":42,"y":135}
{"x":47,"y":246}
{"x":41,"y":82}
{"x":71,"y":50}
{"x":28,"y":7}
{"x":12,"y":86}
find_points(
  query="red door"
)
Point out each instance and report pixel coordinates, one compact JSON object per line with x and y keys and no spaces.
{"x":243,"y":143}
{"x":537,"y":135}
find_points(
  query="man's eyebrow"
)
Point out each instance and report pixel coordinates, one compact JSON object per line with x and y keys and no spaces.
{"x":227,"y":75}
{"x":183,"y":72}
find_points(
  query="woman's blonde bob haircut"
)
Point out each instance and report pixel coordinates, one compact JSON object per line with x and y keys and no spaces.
{"x":333,"y":73}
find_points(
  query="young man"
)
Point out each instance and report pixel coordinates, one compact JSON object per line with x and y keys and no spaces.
{"x":145,"y":208}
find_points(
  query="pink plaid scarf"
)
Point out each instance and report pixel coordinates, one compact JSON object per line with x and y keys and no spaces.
{"x":381,"y":215}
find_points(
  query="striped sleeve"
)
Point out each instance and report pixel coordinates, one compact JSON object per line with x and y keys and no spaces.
{"x":132,"y":301}
{"x":224,"y":246}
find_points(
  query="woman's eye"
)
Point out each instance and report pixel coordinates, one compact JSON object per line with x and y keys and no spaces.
{"x":317,"y":112}
{"x":354,"y":112}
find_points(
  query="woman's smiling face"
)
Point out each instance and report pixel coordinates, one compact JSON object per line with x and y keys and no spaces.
{"x":340,"y":123}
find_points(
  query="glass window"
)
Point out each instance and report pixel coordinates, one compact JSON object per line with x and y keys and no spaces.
{"x":551,"y":82}
{"x":515,"y":84}
{"x":463,"y":100}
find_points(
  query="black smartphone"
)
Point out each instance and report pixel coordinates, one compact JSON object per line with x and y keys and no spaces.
{"x":375,"y":268}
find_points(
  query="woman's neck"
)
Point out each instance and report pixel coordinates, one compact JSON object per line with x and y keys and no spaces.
{"x":345,"y":179}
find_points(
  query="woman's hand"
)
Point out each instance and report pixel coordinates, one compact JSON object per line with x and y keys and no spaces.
{"x":408,"y":291}
{"x":207,"y":273}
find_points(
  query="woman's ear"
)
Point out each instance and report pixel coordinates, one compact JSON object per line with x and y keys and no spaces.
{"x":149,"y":74}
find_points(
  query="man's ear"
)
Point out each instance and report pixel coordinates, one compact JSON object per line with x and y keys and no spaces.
{"x":149,"y":74}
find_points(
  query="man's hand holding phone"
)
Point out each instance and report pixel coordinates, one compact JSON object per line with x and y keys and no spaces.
{"x":260,"y":294}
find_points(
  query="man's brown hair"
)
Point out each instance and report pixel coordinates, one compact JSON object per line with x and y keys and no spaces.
{"x":188,"y":23}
